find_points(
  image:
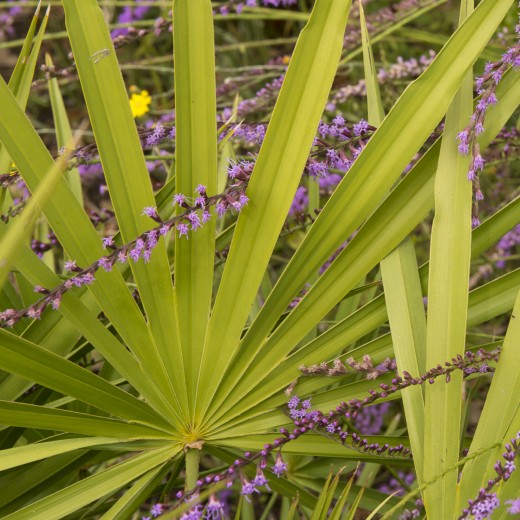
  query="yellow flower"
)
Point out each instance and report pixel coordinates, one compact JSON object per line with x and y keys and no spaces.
{"x":139,"y":103}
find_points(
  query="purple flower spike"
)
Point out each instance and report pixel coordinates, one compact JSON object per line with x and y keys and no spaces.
{"x":200,"y":189}
{"x":280,"y":467}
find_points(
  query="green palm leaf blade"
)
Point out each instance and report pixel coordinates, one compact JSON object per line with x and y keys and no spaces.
{"x":18,"y":456}
{"x":75,"y":232}
{"x":500,"y":411}
{"x":408,"y":203}
{"x":37,"y":364}
{"x":314,"y":444}
{"x":450,"y":254}
{"x":33,"y":416}
{"x":273,"y":183}
{"x":485,"y":303}
{"x":92,"y":488}
{"x":195,"y":164}
{"x":21,"y":486}
{"x":405,"y":309}
{"x":410,"y":122}
{"x":80,"y":313}
{"x":128,"y":182}
{"x":136,"y":495}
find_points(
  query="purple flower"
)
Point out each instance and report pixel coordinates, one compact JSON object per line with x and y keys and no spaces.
{"x":220,"y":208}
{"x":514,"y":508}
{"x":478,"y":163}
{"x":248,"y":488}
{"x":214,"y":509}
{"x":34,"y":313}
{"x":107,"y":242}
{"x":360,"y":128}
{"x":194,"y":220}
{"x":179,"y":199}
{"x":463,"y":148}
{"x":463,"y":136}
{"x":317,"y":169}
{"x":156,"y":137}
{"x":483,"y":506}
{"x":135,"y":253}
{"x":300,"y":202}
{"x":156,"y":510}
{"x":151,"y":212}
{"x":56,"y":301}
{"x":182,"y":229}
{"x":260,"y":479}
{"x":206,"y":216}
{"x":106,"y":263}
{"x":280,"y":466}
{"x":71,"y":266}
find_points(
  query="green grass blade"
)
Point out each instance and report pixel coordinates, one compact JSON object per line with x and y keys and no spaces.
{"x":92,"y":488}
{"x":22,"y":76}
{"x":195,"y":164}
{"x":33,"y":416}
{"x":273,"y":184}
{"x":376,"y":113}
{"x":121,"y":156}
{"x":63,"y":130}
{"x":450,"y":254}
